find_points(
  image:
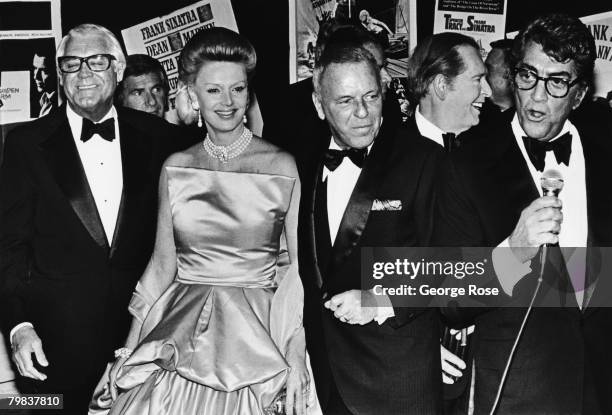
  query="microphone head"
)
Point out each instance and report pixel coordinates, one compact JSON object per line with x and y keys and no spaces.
{"x":551,"y":182}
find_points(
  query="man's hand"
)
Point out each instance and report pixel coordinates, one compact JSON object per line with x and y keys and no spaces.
{"x":539,"y":224}
{"x":450,"y":365}
{"x":347,"y":307}
{"x":26,"y":342}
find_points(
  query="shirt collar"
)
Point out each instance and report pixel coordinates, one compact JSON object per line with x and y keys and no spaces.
{"x":334,"y":146}
{"x":519,"y":133}
{"x":427,"y":128}
{"x":76,"y":121}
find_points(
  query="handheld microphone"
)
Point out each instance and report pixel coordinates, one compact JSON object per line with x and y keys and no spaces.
{"x":551,"y":184}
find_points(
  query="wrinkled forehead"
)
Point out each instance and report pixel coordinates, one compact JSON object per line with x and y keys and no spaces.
{"x":349,"y":79}
{"x":544,"y":63}
{"x":143,"y":80}
{"x":86,"y":44}
{"x":365,"y":71}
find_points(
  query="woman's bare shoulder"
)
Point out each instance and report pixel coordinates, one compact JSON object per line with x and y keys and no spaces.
{"x":272,"y":159}
{"x":185,"y":158}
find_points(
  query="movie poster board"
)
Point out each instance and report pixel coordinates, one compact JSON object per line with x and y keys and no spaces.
{"x":27,"y":39}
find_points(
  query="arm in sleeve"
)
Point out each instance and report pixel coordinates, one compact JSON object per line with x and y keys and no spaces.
{"x":17,"y":206}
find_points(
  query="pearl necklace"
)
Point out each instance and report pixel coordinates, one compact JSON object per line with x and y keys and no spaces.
{"x":225,"y":153}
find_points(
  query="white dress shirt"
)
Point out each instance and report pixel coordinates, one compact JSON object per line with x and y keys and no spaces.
{"x":340,"y":185}
{"x":101,"y":161}
{"x":427,"y":128}
{"x":574,"y":229}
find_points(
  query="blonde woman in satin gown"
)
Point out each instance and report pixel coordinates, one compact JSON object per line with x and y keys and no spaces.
{"x":217,"y":323}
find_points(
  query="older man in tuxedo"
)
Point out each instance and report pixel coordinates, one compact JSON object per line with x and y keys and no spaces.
{"x":491,"y":196}
{"x":372,"y":186}
{"x":78,"y":193}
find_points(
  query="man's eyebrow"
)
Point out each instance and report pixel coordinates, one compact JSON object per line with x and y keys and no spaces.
{"x":531,"y":68}
{"x":526,"y":66}
{"x":560,"y":73}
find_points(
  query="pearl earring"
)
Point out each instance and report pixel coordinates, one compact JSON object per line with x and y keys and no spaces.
{"x":199,"y":119}
{"x":244,"y":119}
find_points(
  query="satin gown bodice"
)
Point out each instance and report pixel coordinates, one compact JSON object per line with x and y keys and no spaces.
{"x":227,"y":225}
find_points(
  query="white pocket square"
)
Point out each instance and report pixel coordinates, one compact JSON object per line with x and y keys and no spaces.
{"x":378,"y":204}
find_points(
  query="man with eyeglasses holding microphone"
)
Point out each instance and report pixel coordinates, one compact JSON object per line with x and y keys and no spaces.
{"x":78,"y":203}
{"x":492,"y":197}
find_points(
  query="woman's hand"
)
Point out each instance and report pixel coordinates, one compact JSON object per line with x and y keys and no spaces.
{"x":298,"y":383}
{"x":113,"y":376}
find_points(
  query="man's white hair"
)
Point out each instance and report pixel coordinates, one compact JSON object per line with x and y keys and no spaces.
{"x":88,"y":28}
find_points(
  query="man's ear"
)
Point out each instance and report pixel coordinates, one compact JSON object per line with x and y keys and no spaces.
{"x":439,"y":86}
{"x":580,"y":96}
{"x":316,"y":100}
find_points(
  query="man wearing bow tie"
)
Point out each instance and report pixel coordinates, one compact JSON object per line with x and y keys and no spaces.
{"x":446,"y":77}
{"x":492,"y":197}
{"x":373,"y":186}
{"x":78,"y":193}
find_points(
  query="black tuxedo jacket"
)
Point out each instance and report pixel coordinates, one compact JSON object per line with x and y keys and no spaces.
{"x":391,"y":368}
{"x":561,"y":364}
{"x":57,"y":268}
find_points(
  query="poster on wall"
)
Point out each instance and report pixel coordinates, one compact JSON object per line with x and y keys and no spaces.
{"x":484,"y":20}
{"x":28,"y":80}
{"x":163,"y":38}
{"x":600,"y":26}
{"x":392,"y":21}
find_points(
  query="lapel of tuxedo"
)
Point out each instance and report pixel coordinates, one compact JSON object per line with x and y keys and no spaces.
{"x":63,"y":160}
{"x":134,"y":159}
{"x":596,"y":151}
{"x":518,"y":184}
{"x":318,"y":232}
{"x":357,"y":211}
{"x":510,"y":180}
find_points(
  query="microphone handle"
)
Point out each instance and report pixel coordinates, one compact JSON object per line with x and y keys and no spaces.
{"x":502,"y":383}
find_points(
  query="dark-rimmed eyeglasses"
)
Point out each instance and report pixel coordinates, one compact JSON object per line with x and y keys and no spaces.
{"x":97,"y":63}
{"x":556,"y":86}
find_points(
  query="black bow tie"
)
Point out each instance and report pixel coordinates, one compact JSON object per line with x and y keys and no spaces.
{"x":105,"y":129}
{"x":450,"y":141}
{"x":536,"y":150}
{"x":333,"y":158}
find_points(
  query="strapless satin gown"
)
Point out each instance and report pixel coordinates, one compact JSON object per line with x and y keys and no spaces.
{"x":208,"y":344}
